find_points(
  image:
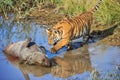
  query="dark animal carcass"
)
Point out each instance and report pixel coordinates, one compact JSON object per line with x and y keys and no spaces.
{"x":29,"y":54}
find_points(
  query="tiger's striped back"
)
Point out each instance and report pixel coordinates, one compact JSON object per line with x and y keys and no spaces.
{"x":81,"y":24}
{"x":83,"y":21}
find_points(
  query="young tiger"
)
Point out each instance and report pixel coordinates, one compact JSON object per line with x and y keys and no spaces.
{"x":68,"y":29}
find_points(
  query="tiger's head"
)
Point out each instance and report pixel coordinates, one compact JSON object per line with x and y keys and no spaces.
{"x":55,"y":33}
{"x":53,"y":36}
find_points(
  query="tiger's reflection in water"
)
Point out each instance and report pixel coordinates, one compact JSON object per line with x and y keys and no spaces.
{"x":74,"y":62}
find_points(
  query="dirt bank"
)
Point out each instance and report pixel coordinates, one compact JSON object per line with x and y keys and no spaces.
{"x":46,"y":14}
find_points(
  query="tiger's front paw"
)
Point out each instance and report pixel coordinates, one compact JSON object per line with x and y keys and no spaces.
{"x":53,"y":50}
{"x":69,"y":48}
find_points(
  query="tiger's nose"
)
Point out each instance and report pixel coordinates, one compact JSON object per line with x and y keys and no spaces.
{"x":54,"y":43}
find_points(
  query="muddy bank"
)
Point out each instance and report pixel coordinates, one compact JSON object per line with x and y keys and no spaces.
{"x":109,"y":34}
{"x":46,"y":14}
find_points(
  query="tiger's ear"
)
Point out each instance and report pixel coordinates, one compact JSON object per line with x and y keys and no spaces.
{"x":64,"y":19}
{"x":48,"y":30}
{"x":67,"y":19}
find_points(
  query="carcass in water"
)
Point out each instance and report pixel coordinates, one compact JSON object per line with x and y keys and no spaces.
{"x":30,"y":54}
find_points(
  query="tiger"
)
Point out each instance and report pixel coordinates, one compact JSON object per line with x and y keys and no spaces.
{"x":68,"y":29}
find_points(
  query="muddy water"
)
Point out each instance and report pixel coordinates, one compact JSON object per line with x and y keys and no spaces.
{"x":89,"y":62}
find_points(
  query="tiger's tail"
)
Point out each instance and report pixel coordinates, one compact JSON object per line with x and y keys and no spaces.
{"x":96,"y":6}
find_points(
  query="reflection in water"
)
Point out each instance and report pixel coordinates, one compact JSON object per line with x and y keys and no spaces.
{"x":34,"y":69}
{"x":76,"y":64}
{"x":105,"y":59}
{"x":8,"y":71}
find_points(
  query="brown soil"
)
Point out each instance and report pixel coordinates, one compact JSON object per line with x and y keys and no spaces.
{"x":49,"y":15}
{"x":46,"y":14}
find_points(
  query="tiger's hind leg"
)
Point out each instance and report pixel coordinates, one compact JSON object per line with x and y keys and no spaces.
{"x":86,"y":37}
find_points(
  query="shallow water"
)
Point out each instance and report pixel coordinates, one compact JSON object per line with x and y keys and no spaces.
{"x":102,"y":61}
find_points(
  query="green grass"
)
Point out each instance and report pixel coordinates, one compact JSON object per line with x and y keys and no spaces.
{"x":19,"y":7}
{"x":72,"y":7}
{"x":108,"y":13}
